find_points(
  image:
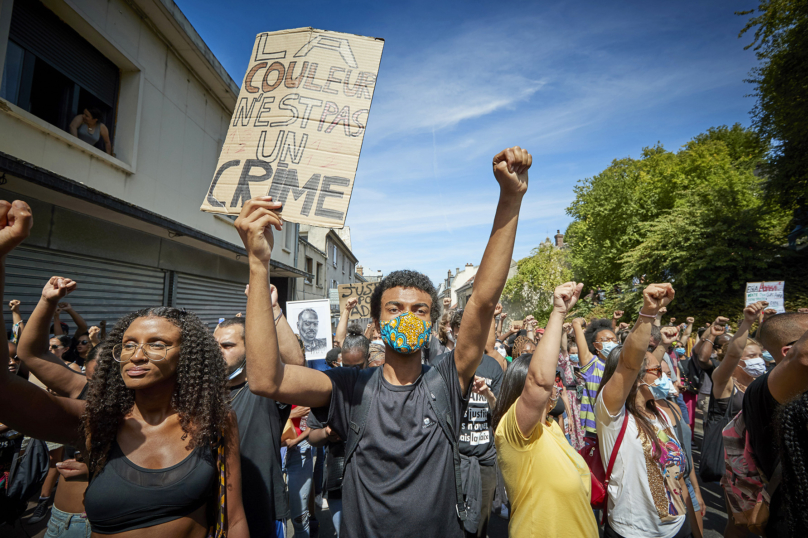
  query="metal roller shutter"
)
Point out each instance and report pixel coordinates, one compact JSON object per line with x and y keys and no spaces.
{"x":106,"y":290}
{"x":208,"y":298}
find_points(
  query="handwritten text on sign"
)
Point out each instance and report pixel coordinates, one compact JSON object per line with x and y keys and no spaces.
{"x":362,"y":292}
{"x":773,"y":292}
{"x":298,"y":125}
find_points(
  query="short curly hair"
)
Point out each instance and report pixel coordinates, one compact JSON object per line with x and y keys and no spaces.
{"x":595,"y":327}
{"x":199,"y":393}
{"x":404,"y":279}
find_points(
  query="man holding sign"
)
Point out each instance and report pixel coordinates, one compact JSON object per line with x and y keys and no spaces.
{"x":298,"y":125}
{"x":401,"y":421}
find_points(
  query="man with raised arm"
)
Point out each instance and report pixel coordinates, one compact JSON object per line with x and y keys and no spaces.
{"x":400,"y":479}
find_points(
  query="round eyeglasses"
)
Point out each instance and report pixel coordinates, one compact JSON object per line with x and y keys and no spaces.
{"x":153,"y":351}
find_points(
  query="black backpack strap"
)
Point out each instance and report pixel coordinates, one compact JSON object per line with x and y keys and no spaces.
{"x":439,"y":400}
{"x":361,"y":401}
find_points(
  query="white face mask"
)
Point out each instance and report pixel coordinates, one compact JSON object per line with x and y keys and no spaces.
{"x":754,"y":366}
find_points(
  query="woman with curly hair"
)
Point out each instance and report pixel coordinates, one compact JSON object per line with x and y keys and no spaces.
{"x":523,"y":345}
{"x":153,"y":421}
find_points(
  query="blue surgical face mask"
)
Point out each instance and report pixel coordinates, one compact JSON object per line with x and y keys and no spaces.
{"x":661,"y":387}
{"x":607,"y":348}
{"x":573,"y":357}
{"x":680,"y":351}
{"x":768,"y":357}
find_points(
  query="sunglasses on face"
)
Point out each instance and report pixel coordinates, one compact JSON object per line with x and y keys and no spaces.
{"x":84,"y":342}
{"x":54,"y":347}
{"x":656,"y":370}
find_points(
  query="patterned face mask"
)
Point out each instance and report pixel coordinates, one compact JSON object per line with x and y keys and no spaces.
{"x":407,"y":333}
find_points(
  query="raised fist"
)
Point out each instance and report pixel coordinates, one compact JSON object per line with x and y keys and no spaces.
{"x":669,"y":334}
{"x":565,"y":296}
{"x":66,"y":307}
{"x":622,"y":326}
{"x":656,"y":297}
{"x":14,"y":306}
{"x":503,"y":315}
{"x":673,"y":320}
{"x":663,"y":311}
{"x":690,"y":321}
{"x":254,"y":224}
{"x":56,"y":288}
{"x":95,"y":335}
{"x":351,"y":303}
{"x":718,"y":326}
{"x":617,"y":314}
{"x":510,"y":170}
{"x":751,"y":312}
{"x":247,"y":290}
{"x":498,"y":309}
{"x":103,"y":324}
{"x":15,"y":224}
{"x":802,"y":310}
{"x":580,"y":322}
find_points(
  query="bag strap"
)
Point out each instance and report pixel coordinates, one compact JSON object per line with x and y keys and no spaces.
{"x":616,"y":447}
{"x":361,"y":402}
{"x":218,"y":529}
{"x":612,"y":459}
{"x":772,"y":485}
{"x":439,"y":400}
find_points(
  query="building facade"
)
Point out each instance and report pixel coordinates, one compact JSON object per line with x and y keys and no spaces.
{"x":340,"y":267}
{"x":122,"y":220}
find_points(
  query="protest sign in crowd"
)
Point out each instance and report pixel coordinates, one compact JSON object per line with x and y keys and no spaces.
{"x":431,"y":418}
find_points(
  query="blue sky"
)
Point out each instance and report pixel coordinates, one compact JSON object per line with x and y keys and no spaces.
{"x":576,"y":83}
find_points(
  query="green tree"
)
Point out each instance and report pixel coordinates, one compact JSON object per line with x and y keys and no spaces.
{"x":530,"y":290}
{"x":695,"y":218}
{"x":781,"y":87}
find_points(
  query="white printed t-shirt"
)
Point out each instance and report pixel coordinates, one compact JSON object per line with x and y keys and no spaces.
{"x":632,"y":510}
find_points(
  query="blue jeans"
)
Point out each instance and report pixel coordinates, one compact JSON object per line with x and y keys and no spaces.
{"x":680,"y":401}
{"x":691,"y":490}
{"x":66,"y":525}
{"x":335,"y":507}
{"x":298,"y":476}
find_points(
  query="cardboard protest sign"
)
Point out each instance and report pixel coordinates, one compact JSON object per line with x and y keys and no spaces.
{"x":518,"y":324}
{"x":773,"y":292}
{"x":362,"y":292}
{"x":298,"y":126}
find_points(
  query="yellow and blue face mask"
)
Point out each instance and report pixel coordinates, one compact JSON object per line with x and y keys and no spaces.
{"x":406,"y":333}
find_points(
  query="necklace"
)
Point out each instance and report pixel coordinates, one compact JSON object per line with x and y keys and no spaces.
{"x":232,"y":398}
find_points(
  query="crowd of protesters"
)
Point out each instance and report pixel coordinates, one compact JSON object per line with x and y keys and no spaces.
{"x":427,"y":421}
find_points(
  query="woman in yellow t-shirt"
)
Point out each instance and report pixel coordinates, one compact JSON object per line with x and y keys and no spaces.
{"x":548,"y":483}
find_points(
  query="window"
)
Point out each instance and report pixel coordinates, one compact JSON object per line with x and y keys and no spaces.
{"x":52,"y":72}
{"x":343,"y":263}
{"x":319,"y":275}
{"x":334,"y":253}
{"x":309,"y":268}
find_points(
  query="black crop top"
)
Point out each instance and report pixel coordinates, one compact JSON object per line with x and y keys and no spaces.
{"x":124,"y":496}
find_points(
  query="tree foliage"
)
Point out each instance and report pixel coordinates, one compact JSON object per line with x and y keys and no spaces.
{"x":530,"y":290}
{"x":695,"y":218}
{"x":781,"y":88}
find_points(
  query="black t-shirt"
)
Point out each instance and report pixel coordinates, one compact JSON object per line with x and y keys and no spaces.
{"x":759,"y":410}
{"x":400,"y":481}
{"x":476,"y":433}
{"x":264,"y":492}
